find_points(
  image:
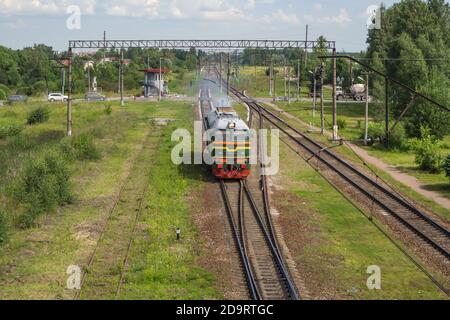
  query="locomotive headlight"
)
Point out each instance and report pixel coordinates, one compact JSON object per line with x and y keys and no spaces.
{"x":231,"y":125}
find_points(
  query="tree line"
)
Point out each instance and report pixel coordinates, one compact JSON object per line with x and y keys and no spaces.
{"x":37,"y":70}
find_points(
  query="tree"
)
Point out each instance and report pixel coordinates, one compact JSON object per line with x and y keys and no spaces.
{"x":414,"y":37}
{"x":425,"y":113}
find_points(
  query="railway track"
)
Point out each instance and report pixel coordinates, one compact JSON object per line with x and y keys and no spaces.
{"x":103,"y":276}
{"x":266,"y":273}
{"x":417,"y":222}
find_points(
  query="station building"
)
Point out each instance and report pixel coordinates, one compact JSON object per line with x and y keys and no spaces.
{"x":154,"y":79}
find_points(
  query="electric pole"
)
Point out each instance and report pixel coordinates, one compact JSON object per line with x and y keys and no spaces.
{"x":298,"y":80}
{"x":228,"y":76}
{"x":285,"y":79}
{"x":322,"y":113}
{"x":289,"y":79}
{"x":335,"y":127}
{"x":366,"y":134}
{"x":220,"y":71}
{"x":306,"y":48}
{"x":121,"y":78}
{"x":271,"y":76}
{"x":69,"y":100}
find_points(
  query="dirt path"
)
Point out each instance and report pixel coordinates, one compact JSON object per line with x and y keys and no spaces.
{"x":395,"y":173}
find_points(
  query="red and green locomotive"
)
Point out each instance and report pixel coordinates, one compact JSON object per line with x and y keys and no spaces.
{"x":229,"y":144}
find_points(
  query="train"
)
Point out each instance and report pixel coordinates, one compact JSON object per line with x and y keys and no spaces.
{"x":229,"y":144}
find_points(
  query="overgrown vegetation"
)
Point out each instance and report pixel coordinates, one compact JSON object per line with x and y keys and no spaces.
{"x":426,"y":149}
{"x":3,"y":227}
{"x":39,"y":115}
{"x":415,"y":37}
{"x":11,"y":130}
{"x":446,"y":166}
{"x":108,"y":109}
{"x":376,"y":132}
{"x":43,"y":185}
{"x":81,"y":147}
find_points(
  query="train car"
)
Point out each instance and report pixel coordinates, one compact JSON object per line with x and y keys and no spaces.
{"x":229,"y":143}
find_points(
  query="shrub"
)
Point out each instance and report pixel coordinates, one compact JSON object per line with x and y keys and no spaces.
{"x":342,"y":124}
{"x":81,"y":147}
{"x":3,"y":95}
{"x":39,"y":115}
{"x":3,"y":227}
{"x":10,"y":131}
{"x":427,"y":153}
{"x":377,"y":131}
{"x":5,"y":89}
{"x":43,"y":185}
{"x":446,"y":166}
{"x":108,"y":109}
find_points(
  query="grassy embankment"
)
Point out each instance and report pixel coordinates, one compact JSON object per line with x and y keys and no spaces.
{"x":34,"y":260}
{"x":260,"y":87}
{"x":353,"y":115}
{"x":337,"y":243}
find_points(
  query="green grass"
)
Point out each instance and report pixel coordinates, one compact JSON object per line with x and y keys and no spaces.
{"x":161,"y":267}
{"x":353,"y":114}
{"x":348,"y":243}
{"x":34,"y":261}
{"x":260,"y":87}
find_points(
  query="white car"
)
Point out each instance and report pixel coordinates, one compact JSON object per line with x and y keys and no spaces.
{"x":52,"y":97}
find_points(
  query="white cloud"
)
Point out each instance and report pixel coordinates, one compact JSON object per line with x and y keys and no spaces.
{"x":44,"y":7}
{"x":210,"y":10}
{"x":342,"y":19}
{"x":280,"y":15}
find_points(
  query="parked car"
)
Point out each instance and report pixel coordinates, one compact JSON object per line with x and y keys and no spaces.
{"x":17,"y":98}
{"x":52,"y":97}
{"x":94,"y":96}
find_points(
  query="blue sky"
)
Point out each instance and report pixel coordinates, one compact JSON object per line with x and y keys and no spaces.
{"x":25,"y":22}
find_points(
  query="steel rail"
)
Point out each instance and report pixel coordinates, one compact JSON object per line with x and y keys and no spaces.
{"x":255,"y":106}
{"x":273,"y":247}
{"x":251,"y":280}
{"x":253,"y":286}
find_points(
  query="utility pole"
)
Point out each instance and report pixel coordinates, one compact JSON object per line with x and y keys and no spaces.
{"x":63,"y":79}
{"x":306,"y":48}
{"x":289,"y":79}
{"x":256,"y":74}
{"x":298,"y":80}
{"x":315,"y":96}
{"x":335,"y":127}
{"x":228,"y":76}
{"x":271,"y":76}
{"x":160,"y":78}
{"x":274,"y":84}
{"x":69,"y":100}
{"x":322,"y":113}
{"x":89,"y":76}
{"x":121,"y":78}
{"x":386,"y":106}
{"x":285,"y":79}
{"x":366,"y":134}
{"x":220,"y":71}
